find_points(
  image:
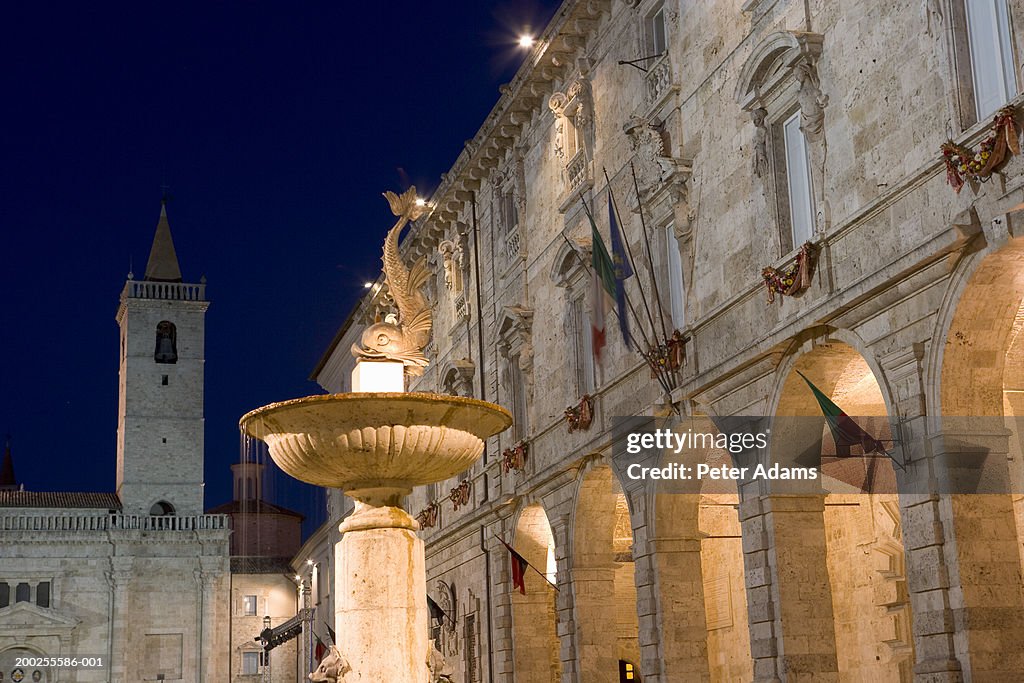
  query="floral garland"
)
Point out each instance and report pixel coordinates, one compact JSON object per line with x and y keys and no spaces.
{"x":667,"y":357}
{"x":514,"y":459}
{"x":793,"y":280}
{"x":579,"y":417}
{"x":428,"y":515}
{"x":459,"y":495}
{"x":963,"y":164}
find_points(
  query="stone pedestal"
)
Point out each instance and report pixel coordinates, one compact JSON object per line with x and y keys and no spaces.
{"x":380,"y":607}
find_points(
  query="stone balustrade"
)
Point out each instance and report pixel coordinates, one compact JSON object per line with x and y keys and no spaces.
{"x":167,"y":291}
{"x":110,"y":522}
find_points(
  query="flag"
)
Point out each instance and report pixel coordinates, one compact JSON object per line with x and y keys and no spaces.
{"x":330,"y":632}
{"x":519,"y":565}
{"x":436,"y":613}
{"x":321,"y":649}
{"x":623,"y":271}
{"x":602,"y":288}
{"x":844,"y":430}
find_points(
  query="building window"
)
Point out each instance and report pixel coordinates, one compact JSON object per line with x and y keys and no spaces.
{"x":509,"y":213}
{"x":676,"y":282}
{"x":627,"y":672}
{"x":584,"y":346}
{"x":161,"y":508}
{"x":43,"y":594}
{"x":654,"y":32}
{"x":5,"y":594}
{"x":250,"y":663}
{"x":163,"y":380}
{"x":472,"y":659}
{"x":799,"y":206}
{"x":520,"y":419}
{"x":166,"y":343}
{"x":23,"y":592}
{"x":991,"y":51}
{"x":249,"y":606}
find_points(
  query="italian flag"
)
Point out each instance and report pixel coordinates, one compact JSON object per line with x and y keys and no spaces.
{"x":602,"y":289}
{"x":844,"y":430}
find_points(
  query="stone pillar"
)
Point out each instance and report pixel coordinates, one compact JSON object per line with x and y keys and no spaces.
{"x":673,"y":635}
{"x":118,"y":578}
{"x":981,"y":550}
{"x":596,"y":638}
{"x":380,"y":609}
{"x":789,"y":599}
{"x":503,"y":659}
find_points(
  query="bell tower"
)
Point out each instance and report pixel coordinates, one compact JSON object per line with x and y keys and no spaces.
{"x":160,"y":407}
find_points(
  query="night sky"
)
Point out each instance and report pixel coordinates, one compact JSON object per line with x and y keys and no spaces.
{"x":276,"y":127}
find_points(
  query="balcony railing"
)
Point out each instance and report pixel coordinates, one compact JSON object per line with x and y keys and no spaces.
{"x":169,"y":291}
{"x":512,"y":243}
{"x":108,"y":522}
{"x":576,"y":171}
{"x":659,"y":80}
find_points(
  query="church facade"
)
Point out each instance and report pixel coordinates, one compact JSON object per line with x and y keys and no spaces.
{"x":134,"y":582}
{"x":782,"y":183}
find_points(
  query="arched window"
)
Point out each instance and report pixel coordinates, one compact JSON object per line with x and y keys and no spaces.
{"x":161,"y":508}
{"x":166,"y":343}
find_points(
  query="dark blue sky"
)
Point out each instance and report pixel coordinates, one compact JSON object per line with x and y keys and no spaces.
{"x":277,"y":126}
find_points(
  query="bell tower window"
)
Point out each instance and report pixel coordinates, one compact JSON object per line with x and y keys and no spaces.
{"x":166,"y":343}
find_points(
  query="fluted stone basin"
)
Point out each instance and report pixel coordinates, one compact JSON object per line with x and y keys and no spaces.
{"x":365,"y":441}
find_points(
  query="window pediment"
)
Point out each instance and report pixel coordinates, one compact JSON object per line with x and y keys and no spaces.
{"x":29,"y":619}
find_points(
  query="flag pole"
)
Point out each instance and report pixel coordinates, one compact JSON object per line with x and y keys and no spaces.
{"x":647,"y":241}
{"x":632,"y":261}
{"x":629,"y":303}
{"x":542,"y":575}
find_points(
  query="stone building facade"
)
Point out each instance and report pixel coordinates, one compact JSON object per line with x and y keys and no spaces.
{"x":137,"y":579}
{"x":753,"y":128}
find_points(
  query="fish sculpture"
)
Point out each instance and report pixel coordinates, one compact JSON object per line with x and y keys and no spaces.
{"x":402,"y":338}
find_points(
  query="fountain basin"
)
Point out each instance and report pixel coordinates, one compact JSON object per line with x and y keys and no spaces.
{"x":376,"y":441}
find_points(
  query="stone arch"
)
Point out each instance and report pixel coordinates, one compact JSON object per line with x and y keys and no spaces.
{"x":764,"y":62}
{"x":973,"y":386}
{"x":535,"y":644}
{"x":846,"y":545}
{"x":163,"y":508}
{"x":603,"y":577}
{"x":9,"y":655}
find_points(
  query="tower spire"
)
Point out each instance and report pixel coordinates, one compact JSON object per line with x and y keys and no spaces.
{"x":163,"y":260}
{"x":8,"y":482}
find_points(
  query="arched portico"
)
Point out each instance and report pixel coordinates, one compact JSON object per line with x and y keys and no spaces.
{"x":534,"y":624}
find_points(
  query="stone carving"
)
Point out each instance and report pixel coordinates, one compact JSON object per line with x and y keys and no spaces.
{"x":812,"y":101}
{"x":437,"y":666}
{"x":403,"y":339}
{"x":760,"y":159}
{"x":557,"y":105}
{"x":333,"y":668}
{"x":447,"y":640}
{"x":452,"y":256}
{"x":661,"y":178}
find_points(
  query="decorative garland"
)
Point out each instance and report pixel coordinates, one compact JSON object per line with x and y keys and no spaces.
{"x":963,"y":164}
{"x":579,"y":417}
{"x":428,"y":515}
{"x":667,"y":357}
{"x":514,"y":459}
{"x":459,"y":495}
{"x":794,"y":279}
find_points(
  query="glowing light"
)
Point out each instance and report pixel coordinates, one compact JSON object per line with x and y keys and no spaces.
{"x":298,"y":578}
{"x":420,"y":201}
{"x":367,"y":285}
{"x":310,"y":562}
{"x":526,"y":41}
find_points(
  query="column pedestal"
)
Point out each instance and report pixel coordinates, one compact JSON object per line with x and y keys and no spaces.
{"x":381,"y":612}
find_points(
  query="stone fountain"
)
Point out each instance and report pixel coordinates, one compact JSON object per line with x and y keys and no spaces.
{"x":376,"y":444}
